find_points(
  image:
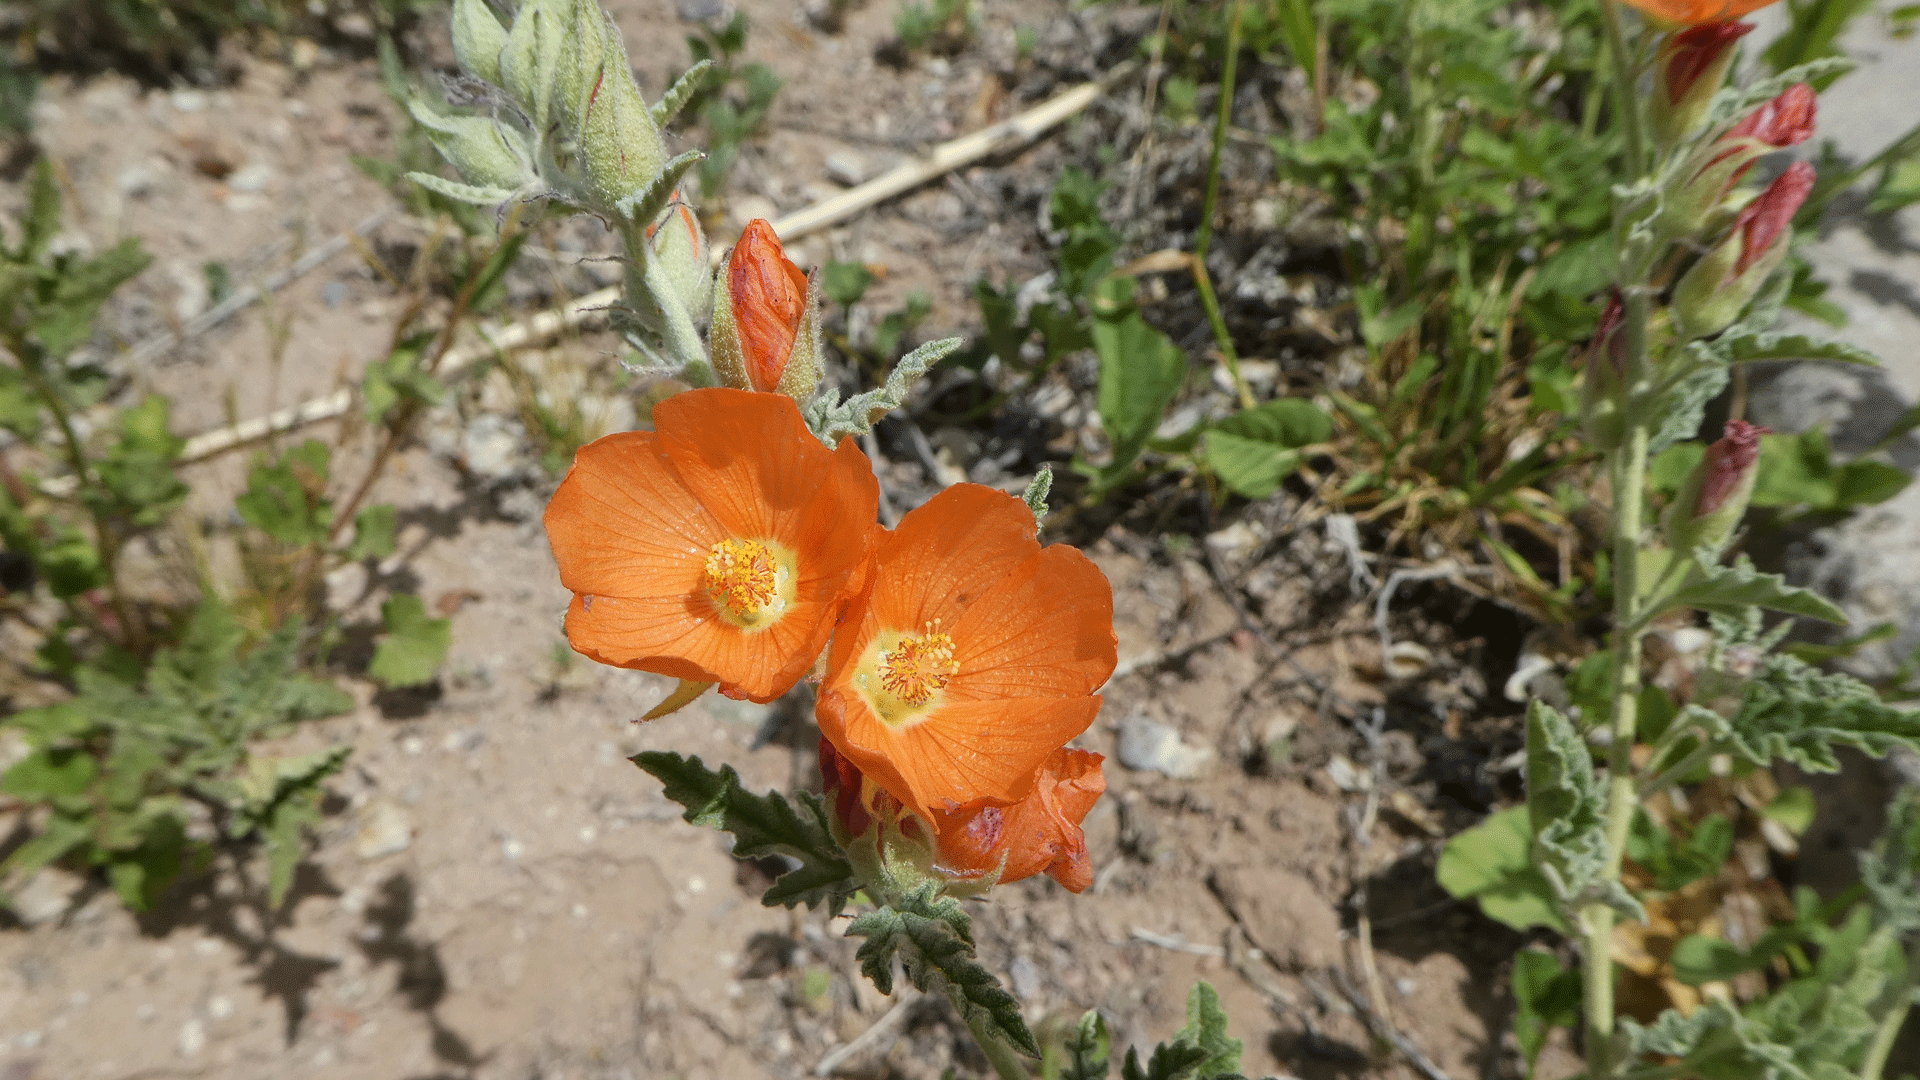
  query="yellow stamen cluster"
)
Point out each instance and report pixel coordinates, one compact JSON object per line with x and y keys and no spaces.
{"x":742,"y":576}
{"x":918,"y":666}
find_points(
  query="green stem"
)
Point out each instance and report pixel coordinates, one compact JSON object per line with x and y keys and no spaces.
{"x":1889,"y":1030}
{"x":1005,"y":1061}
{"x":1203,"y":237}
{"x":1698,"y":757}
{"x":1625,"y":88}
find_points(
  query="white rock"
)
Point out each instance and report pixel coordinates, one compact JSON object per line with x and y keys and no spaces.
{"x":846,"y":167}
{"x":250,"y":178}
{"x":384,"y":830}
{"x":1149,"y":746}
{"x":45,"y":896}
{"x":138,"y":180}
{"x":492,"y":446}
{"x":1346,"y":776}
{"x":193,"y":1038}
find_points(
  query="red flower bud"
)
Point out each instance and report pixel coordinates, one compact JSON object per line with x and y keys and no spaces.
{"x":1785,"y":121}
{"x":769,"y":295}
{"x":1689,"y":54}
{"x":1764,"y":219}
{"x":1688,"y":72}
{"x":1603,"y":389}
{"x":1728,"y":462}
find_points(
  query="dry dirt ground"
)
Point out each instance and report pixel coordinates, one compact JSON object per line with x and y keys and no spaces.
{"x":497,"y":893}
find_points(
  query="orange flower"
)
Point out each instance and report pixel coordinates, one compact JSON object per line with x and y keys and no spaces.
{"x":973,"y":657}
{"x":1039,"y":834}
{"x":719,"y":547}
{"x":1696,"y":12}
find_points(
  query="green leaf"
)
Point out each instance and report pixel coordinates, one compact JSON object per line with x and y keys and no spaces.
{"x":931,"y":936}
{"x":1731,"y":589}
{"x":136,"y":474}
{"x":62,"y":835}
{"x":846,"y":282}
{"x":1566,"y":809}
{"x":1791,"y":711}
{"x":1087,"y":1049}
{"x":66,"y":318}
{"x":42,"y":221}
{"x":1671,"y":467}
{"x":1206,"y":1028}
{"x":1869,"y":483}
{"x":761,"y":825}
{"x":373,"y":533}
{"x":1769,"y":346}
{"x":286,"y":497}
{"x":1255,"y":450}
{"x":401,"y":377}
{"x":1140,"y":372}
{"x":1492,"y":864}
{"x":1545,"y":996}
{"x":1678,"y":412}
{"x":51,"y":773}
{"x":414,"y":645}
{"x":1035,"y":496}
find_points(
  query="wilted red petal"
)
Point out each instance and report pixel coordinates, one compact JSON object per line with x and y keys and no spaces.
{"x":1039,"y":834}
{"x":1766,"y":217}
{"x":1689,"y":53}
{"x":769,"y":297}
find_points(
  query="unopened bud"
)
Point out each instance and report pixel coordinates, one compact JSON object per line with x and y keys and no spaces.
{"x":1718,"y":287}
{"x":680,"y":244}
{"x":766,"y":319}
{"x":1715,"y":168}
{"x":1603,"y":388}
{"x":1711,"y":502}
{"x":1040,"y":834}
{"x":487,"y":154}
{"x":618,"y":140}
{"x":530,"y":62}
{"x":1687,"y":73}
{"x":478,"y":38}
{"x":1696,"y":12}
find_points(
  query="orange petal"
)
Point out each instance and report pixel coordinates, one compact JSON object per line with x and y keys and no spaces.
{"x":769,"y":296}
{"x":966,"y":752}
{"x":622,"y":523}
{"x":1046,"y":629}
{"x":1697,"y":12}
{"x":1039,"y":834}
{"x":948,"y":553}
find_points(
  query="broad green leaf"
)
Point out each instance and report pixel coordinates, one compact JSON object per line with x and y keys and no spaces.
{"x":1671,"y":467}
{"x":62,"y":835}
{"x":42,"y":221}
{"x":51,"y":773}
{"x":1793,"y":808}
{"x":846,"y":282}
{"x":373,"y":533}
{"x":1758,"y":347}
{"x":761,"y":825}
{"x":66,"y":319}
{"x":1140,"y":371}
{"x":1206,"y":1028}
{"x":136,"y":474}
{"x":1730,"y":589}
{"x":1566,"y":809}
{"x":1254,"y":450}
{"x":1868,"y":483}
{"x":1492,"y":864}
{"x":401,"y":377}
{"x":1545,"y":996}
{"x":414,"y":645}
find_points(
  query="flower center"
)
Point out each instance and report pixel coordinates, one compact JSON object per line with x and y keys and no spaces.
{"x":903,"y":674}
{"x":917,"y":666}
{"x":747,"y":582}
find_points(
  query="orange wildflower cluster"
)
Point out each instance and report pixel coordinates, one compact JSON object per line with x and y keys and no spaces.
{"x":729,"y":547}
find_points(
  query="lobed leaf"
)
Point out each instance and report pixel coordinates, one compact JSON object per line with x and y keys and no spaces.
{"x":761,"y":825}
{"x":1792,"y":711}
{"x":932,"y":937}
{"x":413,"y":647}
{"x":1087,"y":1049}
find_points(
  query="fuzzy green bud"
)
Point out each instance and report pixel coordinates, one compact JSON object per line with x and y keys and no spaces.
{"x":478,"y":38}
{"x":530,"y":62}
{"x":1603,"y":387}
{"x":680,"y":245}
{"x":487,"y":154}
{"x":618,"y":140}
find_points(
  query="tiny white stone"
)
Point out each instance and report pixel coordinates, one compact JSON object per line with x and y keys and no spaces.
{"x":193,"y":1038}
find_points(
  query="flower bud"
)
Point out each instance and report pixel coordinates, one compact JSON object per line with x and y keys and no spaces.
{"x":478,"y":38}
{"x":766,"y":319}
{"x":680,"y":244}
{"x":1785,"y":121}
{"x":1039,"y":834}
{"x":1696,"y":12}
{"x":1714,"y":497}
{"x":1691,"y":65}
{"x":595,"y":94}
{"x":1604,"y":387}
{"x":487,"y":154}
{"x":530,"y":63}
{"x":1718,"y":287}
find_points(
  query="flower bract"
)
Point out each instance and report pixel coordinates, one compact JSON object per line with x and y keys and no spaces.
{"x":718,"y":548}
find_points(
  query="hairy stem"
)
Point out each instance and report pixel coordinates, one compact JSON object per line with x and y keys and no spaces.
{"x":1625,"y":88}
{"x":1004,"y":1059}
{"x":1889,"y":1030}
